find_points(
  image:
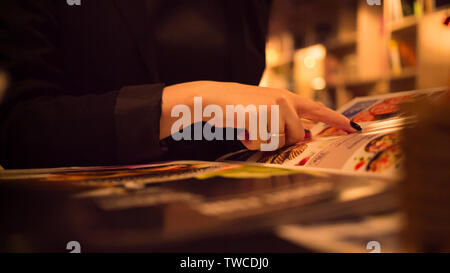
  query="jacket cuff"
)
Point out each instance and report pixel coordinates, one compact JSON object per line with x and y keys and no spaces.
{"x":137,"y":117}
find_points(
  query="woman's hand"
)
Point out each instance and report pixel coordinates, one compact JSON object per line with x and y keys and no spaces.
{"x":292,"y":108}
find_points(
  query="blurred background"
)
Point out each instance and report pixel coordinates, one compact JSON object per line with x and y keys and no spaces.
{"x":332,"y":51}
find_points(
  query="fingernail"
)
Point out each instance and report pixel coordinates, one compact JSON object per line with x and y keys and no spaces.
{"x":356,"y":126}
{"x":307,"y":134}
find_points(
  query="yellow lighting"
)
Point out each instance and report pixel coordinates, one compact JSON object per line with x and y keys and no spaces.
{"x":272,"y":57}
{"x":318,"y":83}
{"x":309,"y":61}
{"x":317,"y":51}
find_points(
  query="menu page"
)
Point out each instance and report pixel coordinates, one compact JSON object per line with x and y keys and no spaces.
{"x":374,"y":151}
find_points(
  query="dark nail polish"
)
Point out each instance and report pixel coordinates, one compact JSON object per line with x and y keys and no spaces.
{"x":355,"y":126}
{"x":307,"y":134}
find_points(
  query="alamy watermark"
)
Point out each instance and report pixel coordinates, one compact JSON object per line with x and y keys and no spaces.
{"x":257,"y":123}
{"x":374,"y":247}
{"x":73,"y":2}
{"x":74,"y":247}
{"x":374,"y":2}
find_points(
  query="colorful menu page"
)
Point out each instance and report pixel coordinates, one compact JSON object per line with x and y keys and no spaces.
{"x":374,"y":151}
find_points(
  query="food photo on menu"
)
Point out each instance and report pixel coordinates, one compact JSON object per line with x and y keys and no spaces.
{"x":375,"y":151}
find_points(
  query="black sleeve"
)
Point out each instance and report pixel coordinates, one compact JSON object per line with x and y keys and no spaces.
{"x":44,"y":125}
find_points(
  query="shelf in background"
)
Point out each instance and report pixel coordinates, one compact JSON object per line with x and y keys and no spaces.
{"x":407,"y":72}
{"x":342,"y":44}
{"x":280,"y":63}
{"x":355,"y":82}
{"x":404,"y":23}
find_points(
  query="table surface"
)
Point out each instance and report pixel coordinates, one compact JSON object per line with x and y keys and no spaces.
{"x":200,"y":215}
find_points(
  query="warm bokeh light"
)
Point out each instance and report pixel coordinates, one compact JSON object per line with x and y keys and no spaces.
{"x":318,"y":83}
{"x":317,"y":51}
{"x":309,"y":61}
{"x":309,"y":70}
{"x":272,"y":56}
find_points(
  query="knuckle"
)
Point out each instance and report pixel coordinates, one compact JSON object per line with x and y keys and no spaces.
{"x":282,"y":100}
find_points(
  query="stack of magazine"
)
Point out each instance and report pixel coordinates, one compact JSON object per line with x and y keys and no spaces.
{"x":331,"y":177}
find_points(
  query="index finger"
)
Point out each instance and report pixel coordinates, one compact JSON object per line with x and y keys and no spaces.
{"x":314,"y":111}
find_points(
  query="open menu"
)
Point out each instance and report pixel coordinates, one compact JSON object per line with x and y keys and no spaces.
{"x":374,"y":151}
